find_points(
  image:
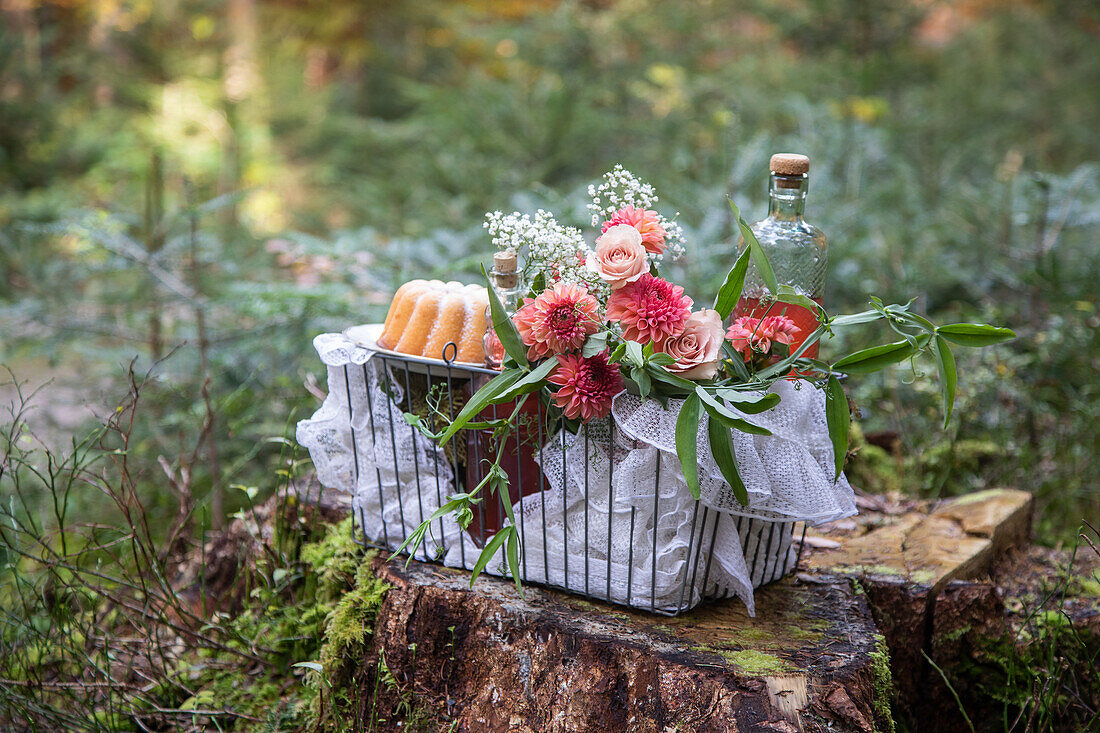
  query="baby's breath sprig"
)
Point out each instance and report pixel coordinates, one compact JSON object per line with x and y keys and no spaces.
{"x":622,"y":188}
{"x":550,"y":249}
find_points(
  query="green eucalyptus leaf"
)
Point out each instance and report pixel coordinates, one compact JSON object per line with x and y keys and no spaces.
{"x":531,"y":382}
{"x":661,"y":358}
{"x":855,"y":318}
{"x":642,"y":379}
{"x":875,"y":358}
{"x":975,"y":334}
{"x":736,"y":361}
{"x":664,"y":376}
{"x":634,"y":353}
{"x":617,"y":354}
{"x":838,"y":419}
{"x":412,"y":541}
{"x":902,"y":311}
{"x":750,"y":403}
{"x":784,"y":365}
{"x":490,"y":549}
{"x":687,"y":431}
{"x":787,"y":294}
{"x":722,"y":450}
{"x":512,"y":553}
{"x":759,"y":258}
{"x":720,"y":412}
{"x":945,"y":361}
{"x":538,"y":284}
{"x":480,"y":400}
{"x":730,"y":292}
{"x":594,"y":344}
{"x":506,"y":330}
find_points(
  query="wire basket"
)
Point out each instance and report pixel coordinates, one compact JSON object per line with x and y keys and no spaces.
{"x":575,"y":533}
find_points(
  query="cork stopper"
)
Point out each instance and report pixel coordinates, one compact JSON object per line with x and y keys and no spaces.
{"x":504,"y":269}
{"x":789,"y":164}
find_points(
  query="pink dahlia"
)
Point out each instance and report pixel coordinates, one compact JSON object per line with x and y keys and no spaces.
{"x":557,"y":321}
{"x":779,"y":329}
{"x":650,"y":309}
{"x":748,"y":334}
{"x":742,"y":334}
{"x":648,"y":224}
{"x":585,"y":386}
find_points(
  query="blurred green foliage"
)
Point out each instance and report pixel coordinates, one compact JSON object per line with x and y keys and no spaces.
{"x":954,"y":147}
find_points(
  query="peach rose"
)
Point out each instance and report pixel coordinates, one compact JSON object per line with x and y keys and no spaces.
{"x":619,"y":257}
{"x":696,"y":347}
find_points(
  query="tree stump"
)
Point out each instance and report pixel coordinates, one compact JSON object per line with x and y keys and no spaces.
{"x":811,"y":659}
{"x":885,"y":608}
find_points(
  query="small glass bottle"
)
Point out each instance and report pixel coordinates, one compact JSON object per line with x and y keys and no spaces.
{"x":518,"y":457}
{"x":796,"y":250}
{"x":507,"y":284}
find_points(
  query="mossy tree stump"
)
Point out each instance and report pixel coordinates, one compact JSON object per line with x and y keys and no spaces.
{"x":883,"y":608}
{"x":810,"y":660}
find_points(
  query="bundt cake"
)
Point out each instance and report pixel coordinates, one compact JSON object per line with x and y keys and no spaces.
{"x":426,"y":315}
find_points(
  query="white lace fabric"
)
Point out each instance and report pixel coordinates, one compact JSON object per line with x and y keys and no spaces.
{"x":614,"y":518}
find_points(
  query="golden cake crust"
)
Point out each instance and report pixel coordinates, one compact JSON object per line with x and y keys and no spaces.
{"x":426,"y":315}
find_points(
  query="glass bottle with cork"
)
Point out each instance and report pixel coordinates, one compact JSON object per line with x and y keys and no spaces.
{"x":518,"y":458}
{"x":796,"y":250}
{"x":509,"y":287}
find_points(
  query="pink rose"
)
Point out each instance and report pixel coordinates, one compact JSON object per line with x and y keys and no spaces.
{"x":696,"y":347}
{"x":619,"y":257}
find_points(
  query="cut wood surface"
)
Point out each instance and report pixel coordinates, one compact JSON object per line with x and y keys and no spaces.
{"x":929,"y":545}
{"x":553,"y":662}
{"x":831,"y":648}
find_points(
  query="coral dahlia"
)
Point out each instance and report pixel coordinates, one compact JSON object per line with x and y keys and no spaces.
{"x":557,"y":321}
{"x":650,"y":309}
{"x":748,"y":334}
{"x":586,"y":387}
{"x":648,"y":224}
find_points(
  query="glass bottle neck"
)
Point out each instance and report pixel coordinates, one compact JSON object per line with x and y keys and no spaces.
{"x":787,"y":196}
{"x":509,"y":289}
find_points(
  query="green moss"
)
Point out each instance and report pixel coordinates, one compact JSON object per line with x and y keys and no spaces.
{"x":955,"y":634}
{"x":884,"y":682}
{"x":871,"y":467}
{"x":749,"y":635}
{"x":922,"y":577}
{"x":756,"y":663}
{"x":1084,"y":586}
{"x":335,"y":559}
{"x":811,"y":630}
{"x":976,"y":497}
{"x":352,"y":621}
{"x":326,"y":612}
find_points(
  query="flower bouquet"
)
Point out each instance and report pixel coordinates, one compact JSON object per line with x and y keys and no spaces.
{"x":599,"y":324}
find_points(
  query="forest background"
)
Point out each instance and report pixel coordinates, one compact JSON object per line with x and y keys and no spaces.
{"x":198,"y":188}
